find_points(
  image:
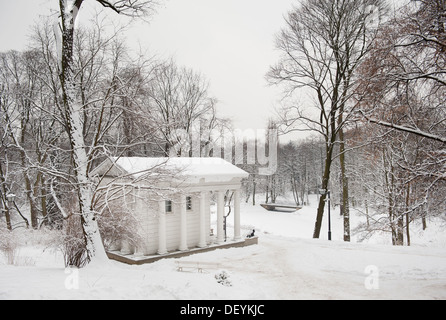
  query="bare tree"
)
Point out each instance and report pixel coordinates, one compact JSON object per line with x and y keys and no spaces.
{"x":21,"y":88}
{"x":402,"y":93}
{"x":178,"y":100}
{"x":409,"y":59}
{"x":322,"y":45}
{"x":73,"y":111}
{"x":4,"y":163}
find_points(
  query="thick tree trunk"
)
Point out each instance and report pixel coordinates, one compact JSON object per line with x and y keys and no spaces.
{"x":74,"y":125}
{"x":325,"y":180}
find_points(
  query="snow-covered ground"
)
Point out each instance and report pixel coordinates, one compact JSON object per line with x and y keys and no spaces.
{"x":286,"y":264}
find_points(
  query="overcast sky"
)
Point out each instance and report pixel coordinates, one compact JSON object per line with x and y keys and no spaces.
{"x":231,"y":42}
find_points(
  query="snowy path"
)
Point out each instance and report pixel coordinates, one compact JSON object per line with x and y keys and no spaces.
{"x":286,"y":264}
{"x":289,"y":268}
{"x":278,"y":268}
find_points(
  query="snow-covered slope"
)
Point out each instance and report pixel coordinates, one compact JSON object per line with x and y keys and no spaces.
{"x":287,"y":264}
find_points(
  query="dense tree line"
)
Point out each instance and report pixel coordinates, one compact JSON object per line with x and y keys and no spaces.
{"x":377,"y":79}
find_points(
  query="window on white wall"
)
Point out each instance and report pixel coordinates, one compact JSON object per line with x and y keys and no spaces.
{"x":169,"y":206}
{"x":188,"y":203}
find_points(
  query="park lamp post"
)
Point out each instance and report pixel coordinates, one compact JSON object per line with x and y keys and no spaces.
{"x":327,"y":193}
{"x":11,"y":198}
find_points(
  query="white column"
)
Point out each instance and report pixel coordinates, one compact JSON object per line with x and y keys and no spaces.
{"x":237,"y":235}
{"x":162,"y":240}
{"x":139,"y":252}
{"x":220,"y":214}
{"x":125,"y":247}
{"x":183,"y":224}
{"x":202,"y":242}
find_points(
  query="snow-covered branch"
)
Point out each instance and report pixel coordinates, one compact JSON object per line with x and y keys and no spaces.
{"x":415,"y":131}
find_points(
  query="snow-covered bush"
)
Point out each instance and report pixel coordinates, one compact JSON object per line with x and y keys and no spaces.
{"x":222,"y":277}
{"x":9,"y":245}
{"x":72,"y":243}
{"x":117,"y":223}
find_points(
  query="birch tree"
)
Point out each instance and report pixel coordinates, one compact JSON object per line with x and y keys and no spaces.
{"x":73,"y":111}
{"x":322,"y":45}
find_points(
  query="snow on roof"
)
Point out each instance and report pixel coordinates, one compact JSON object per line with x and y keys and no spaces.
{"x":210,"y":169}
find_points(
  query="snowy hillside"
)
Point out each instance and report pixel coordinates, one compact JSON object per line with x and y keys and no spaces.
{"x":287,"y":264}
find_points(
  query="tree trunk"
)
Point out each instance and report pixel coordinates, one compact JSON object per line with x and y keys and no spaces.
{"x":267,"y":193}
{"x":253,"y":189}
{"x":74,"y":126}
{"x":345,"y":209}
{"x":28,"y":189}
{"x":325,"y":180}
{"x":367,"y":213}
{"x":5,"y":206}
{"x":400,"y":231}
{"x":39,"y":187}
{"x":294,"y":190}
{"x":407,"y":214}
{"x":273,"y":188}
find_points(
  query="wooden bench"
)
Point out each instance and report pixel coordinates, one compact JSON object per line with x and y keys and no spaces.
{"x":274,"y":207}
{"x":200,"y":266}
